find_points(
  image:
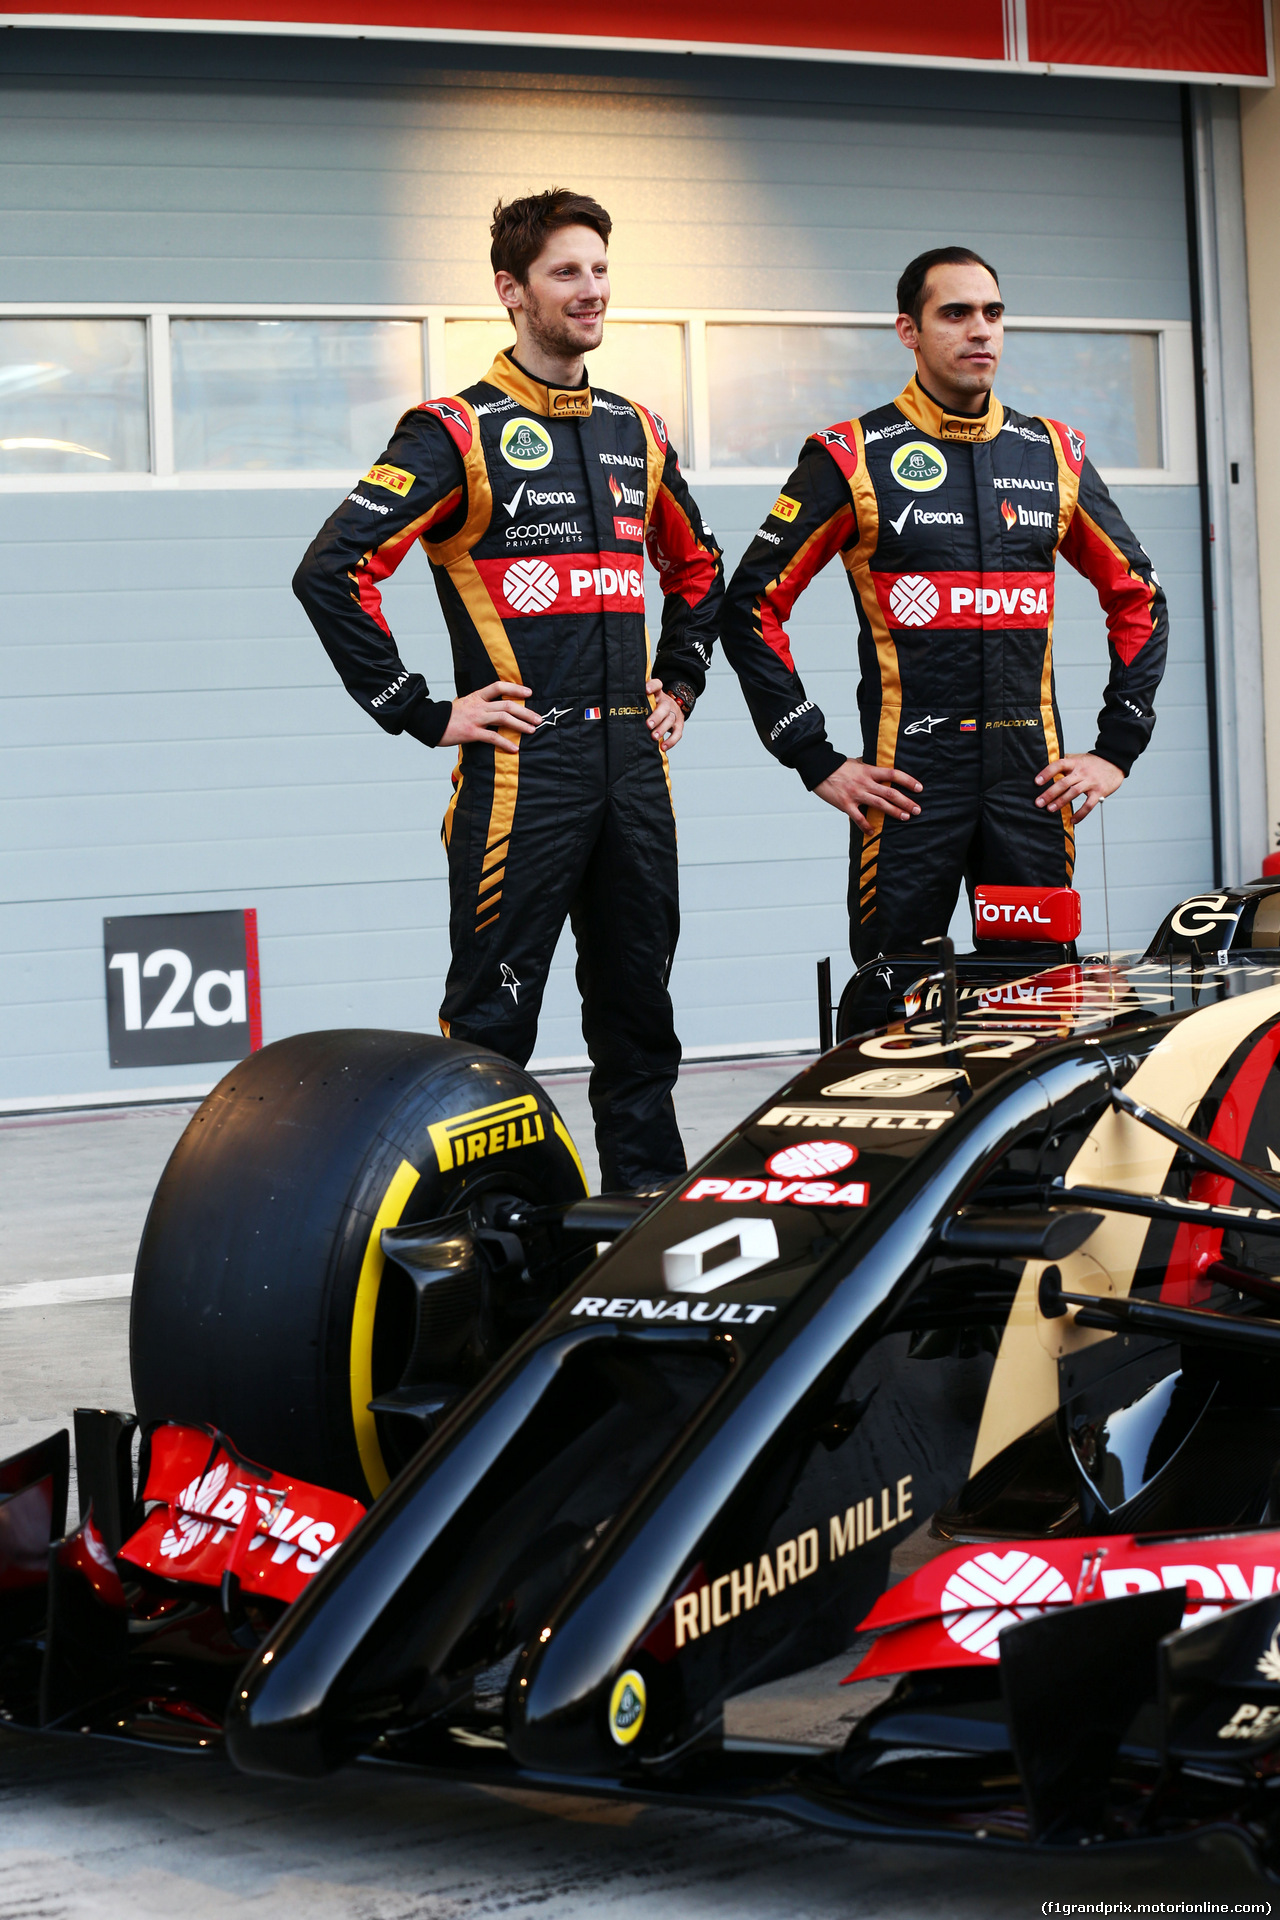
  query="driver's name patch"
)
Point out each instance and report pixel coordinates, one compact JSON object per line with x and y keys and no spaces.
{"x":488,"y":1130}
{"x":872,"y":1119}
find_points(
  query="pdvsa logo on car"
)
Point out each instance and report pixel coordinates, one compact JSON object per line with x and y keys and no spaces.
{"x":918,"y":467}
{"x":182,"y":987}
{"x":797,"y":1180}
{"x":526,"y":445}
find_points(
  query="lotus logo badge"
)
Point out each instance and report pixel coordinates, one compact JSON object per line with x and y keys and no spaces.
{"x":626,"y":1707}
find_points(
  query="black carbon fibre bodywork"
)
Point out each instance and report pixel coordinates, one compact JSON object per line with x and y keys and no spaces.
{"x":938,"y":1289}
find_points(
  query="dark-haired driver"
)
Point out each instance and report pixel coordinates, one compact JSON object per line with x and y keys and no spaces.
{"x":948,"y":511}
{"x":535,"y":497}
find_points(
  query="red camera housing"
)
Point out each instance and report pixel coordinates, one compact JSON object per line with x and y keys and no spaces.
{"x":1026,"y":913}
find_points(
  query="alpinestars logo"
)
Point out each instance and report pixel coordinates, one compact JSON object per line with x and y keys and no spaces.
{"x":447,"y":412}
{"x":510,"y":983}
{"x":913,"y":600}
{"x":831,"y":438}
{"x":992,"y":1591}
{"x":1077,"y":443}
{"x":928,"y":724}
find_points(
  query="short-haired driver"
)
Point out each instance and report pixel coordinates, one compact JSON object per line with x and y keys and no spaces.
{"x":535,"y":497}
{"x":948,"y":511}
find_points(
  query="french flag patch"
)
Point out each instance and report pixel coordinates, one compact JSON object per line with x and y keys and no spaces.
{"x":591,"y":713}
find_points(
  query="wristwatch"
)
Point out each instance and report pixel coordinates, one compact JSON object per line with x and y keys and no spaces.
{"x":683,"y":695}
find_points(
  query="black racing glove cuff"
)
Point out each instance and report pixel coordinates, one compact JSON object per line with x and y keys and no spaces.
{"x":1112,"y":745}
{"x":817,"y":763}
{"x":428,"y":721}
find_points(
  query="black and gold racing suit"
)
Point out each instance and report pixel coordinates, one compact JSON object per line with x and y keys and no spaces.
{"x":535,"y":506}
{"x":949,"y":527}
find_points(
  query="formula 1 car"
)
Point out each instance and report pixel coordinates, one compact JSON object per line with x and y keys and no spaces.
{"x":961,"y":1353}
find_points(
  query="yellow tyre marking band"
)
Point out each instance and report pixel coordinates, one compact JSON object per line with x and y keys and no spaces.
{"x":562,"y":1134}
{"x":394,"y":1200}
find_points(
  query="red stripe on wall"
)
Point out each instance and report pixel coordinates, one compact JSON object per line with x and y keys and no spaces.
{"x":930,"y":29}
{"x":1185,"y":36}
{"x":1210,"y":39}
{"x":252,"y":978}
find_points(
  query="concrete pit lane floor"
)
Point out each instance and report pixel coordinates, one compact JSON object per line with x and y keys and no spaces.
{"x":93,"y":1830}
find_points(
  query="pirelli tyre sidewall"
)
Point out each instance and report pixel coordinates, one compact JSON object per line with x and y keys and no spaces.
{"x":260,"y":1274}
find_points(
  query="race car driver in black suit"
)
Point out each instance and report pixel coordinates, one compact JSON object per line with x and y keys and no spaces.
{"x":949,"y":511}
{"x":535,"y":497}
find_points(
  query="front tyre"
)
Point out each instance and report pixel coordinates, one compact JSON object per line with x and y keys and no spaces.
{"x":263,"y":1303}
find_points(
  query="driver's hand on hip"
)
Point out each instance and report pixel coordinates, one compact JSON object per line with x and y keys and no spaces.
{"x":856,"y":786}
{"x":1082,"y":777}
{"x":490,"y":713}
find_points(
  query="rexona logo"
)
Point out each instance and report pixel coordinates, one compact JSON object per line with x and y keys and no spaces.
{"x":913,"y":600}
{"x":918,"y":467}
{"x":526,"y":445}
{"x":626,"y":1707}
{"x":479,"y":1135}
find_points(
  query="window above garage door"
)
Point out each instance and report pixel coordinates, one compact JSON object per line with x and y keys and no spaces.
{"x":200,"y":398}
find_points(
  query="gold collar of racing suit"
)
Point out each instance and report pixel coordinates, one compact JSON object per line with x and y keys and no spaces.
{"x":553,"y":403}
{"x":934,"y":420}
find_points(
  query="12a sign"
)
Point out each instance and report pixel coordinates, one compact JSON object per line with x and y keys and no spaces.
{"x":182,"y":987}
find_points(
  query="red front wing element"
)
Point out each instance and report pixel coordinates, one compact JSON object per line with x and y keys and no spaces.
{"x":217,"y":1514}
{"x":952,"y":1612}
{"x":1026,"y":913}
